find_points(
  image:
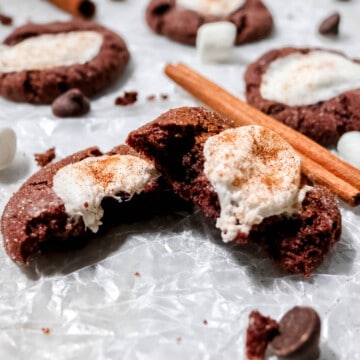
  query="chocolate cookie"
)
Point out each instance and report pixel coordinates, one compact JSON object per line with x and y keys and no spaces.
{"x":184,"y":144}
{"x":56,"y":207}
{"x":45,"y":60}
{"x":314,"y":91}
{"x":180,"y":20}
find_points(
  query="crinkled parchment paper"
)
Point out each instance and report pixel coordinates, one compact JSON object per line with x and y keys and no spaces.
{"x":166,"y":288}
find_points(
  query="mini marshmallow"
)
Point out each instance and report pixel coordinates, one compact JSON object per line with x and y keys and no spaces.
{"x":348,"y":147}
{"x":214,"y":41}
{"x":7,"y":146}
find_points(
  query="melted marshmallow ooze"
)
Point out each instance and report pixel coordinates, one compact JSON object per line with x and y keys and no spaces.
{"x":83,"y":185}
{"x":51,"y":50}
{"x":255,"y":173}
{"x":304,"y":79}
{"x":211,"y":7}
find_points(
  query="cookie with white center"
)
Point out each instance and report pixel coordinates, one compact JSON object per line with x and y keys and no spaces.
{"x":247,"y":180}
{"x":41,"y":61}
{"x":315,"y":91}
{"x":66,"y":202}
{"x":180,"y":20}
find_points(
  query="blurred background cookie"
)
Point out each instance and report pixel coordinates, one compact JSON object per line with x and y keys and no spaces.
{"x":43,"y":61}
{"x":180,"y":20}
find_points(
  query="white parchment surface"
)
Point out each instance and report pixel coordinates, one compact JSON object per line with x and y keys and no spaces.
{"x":166,"y":288}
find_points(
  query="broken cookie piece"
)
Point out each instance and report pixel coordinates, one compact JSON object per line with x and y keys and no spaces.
{"x":66,"y":202}
{"x":251,"y":189}
{"x":260,"y":331}
{"x":46,"y":157}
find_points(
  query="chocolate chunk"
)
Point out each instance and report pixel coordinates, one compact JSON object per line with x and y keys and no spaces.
{"x":45,"y":158}
{"x":71,"y":103}
{"x":330,"y":26}
{"x":129,"y":97}
{"x":261,"y":330}
{"x":299,"y":335}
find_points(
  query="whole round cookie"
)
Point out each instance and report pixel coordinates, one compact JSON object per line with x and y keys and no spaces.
{"x":180,"y":20}
{"x":315,"y":91}
{"x":42,"y":61}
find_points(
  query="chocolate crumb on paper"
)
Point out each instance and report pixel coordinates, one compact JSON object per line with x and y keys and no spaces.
{"x":46,"y":331}
{"x":6,"y":20}
{"x":46,"y":157}
{"x":129,"y":97}
{"x":261,"y":330}
{"x":137,"y":274}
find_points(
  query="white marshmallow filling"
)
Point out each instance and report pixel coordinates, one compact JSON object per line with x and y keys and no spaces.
{"x":51,"y":50}
{"x":304,"y":79}
{"x":83,"y":185}
{"x":256,"y":174}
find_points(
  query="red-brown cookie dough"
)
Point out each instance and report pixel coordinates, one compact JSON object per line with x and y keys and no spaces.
{"x":165,"y":17}
{"x":323,"y":121}
{"x":42,"y":86}
{"x":175,"y":142}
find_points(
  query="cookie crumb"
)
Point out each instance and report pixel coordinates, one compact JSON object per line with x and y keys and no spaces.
{"x":129,"y":97}
{"x":46,"y":331}
{"x":6,"y":20}
{"x":178,"y":340}
{"x":150,"y":98}
{"x":137,"y":274}
{"x":260,"y":331}
{"x":205,"y":322}
{"x":46,"y":157}
{"x":164,"y":96}
{"x":71,"y":103}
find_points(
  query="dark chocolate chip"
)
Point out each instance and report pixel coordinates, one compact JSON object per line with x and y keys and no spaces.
{"x":71,"y":103}
{"x":299,"y":335}
{"x":87,"y":9}
{"x":330,"y":26}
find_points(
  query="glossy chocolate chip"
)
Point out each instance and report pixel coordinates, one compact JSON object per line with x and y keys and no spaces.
{"x":71,"y":103}
{"x":299,"y":335}
{"x":330,"y":26}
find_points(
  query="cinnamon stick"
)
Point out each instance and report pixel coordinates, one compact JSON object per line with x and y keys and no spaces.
{"x":318,"y":163}
{"x":82,"y":8}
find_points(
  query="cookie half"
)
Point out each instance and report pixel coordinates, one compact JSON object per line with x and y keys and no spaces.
{"x":42,"y":61}
{"x":66,"y":202}
{"x":180,"y":20}
{"x":315,"y":91}
{"x":200,"y":155}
